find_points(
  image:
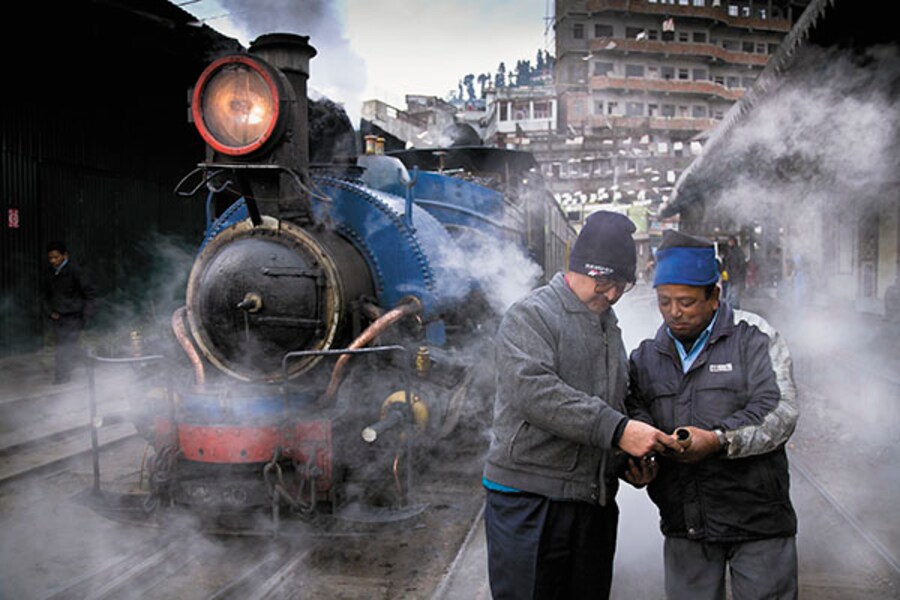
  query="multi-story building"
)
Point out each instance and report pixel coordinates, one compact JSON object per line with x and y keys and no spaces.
{"x":421,"y":125}
{"x":639,"y":83}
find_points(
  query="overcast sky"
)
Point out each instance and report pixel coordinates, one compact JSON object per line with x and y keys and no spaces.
{"x":385,"y":49}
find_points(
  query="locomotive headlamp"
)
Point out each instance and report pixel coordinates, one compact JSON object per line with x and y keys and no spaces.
{"x":240,"y":105}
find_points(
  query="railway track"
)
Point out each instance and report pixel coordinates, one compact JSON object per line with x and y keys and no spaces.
{"x":58,"y":446}
{"x":340,"y":560}
{"x":46,"y":427}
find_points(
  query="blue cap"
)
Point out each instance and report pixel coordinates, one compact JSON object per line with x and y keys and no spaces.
{"x":685,"y":260}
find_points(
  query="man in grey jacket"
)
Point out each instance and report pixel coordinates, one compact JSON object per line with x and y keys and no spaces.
{"x":560,"y":437}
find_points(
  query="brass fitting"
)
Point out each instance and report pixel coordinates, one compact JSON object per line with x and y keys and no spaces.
{"x":423,"y":361}
{"x":683,"y":437}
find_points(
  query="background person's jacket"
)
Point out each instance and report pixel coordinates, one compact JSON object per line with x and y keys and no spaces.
{"x":562,"y":379}
{"x":740,"y":383}
{"x":69,"y":292}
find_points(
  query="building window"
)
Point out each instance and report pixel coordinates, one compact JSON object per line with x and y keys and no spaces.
{"x":668,"y":110}
{"x":578,"y":71}
{"x":652,"y":72}
{"x":634,"y":109}
{"x":632,"y":32}
{"x":577,"y":107}
{"x":760,"y":48}
{"x":683,"y":36}
{"x":542,"y":109}
{"x":652,"y":110}
{"x":720,"y":80}
{"x":578,"y":31}
{"x":612,"y":108}
{"x":668,"y":36}
{"x":745,"y":11}
{"x":684,"y":74}
{"x":699,"y":74}
{"x":699,"y":37}
{"x":504,"y":111}
{"x":718,"y":115}
{"x":520,"y":110}
{"x":634,"y":70}
{"x":598,"y":107}
{"x":698,"y":111}
{"x":668,"y":73}
{"x":732,"y":82}
{"x":601,"y":30}
{"x":731,"y":44}
{"x":699,"y":2}
{"x":683,"y":111}
{"x":601,"y":69}
{"x":652,"y":34}
{"x":747,"y":47}
{"x":732,"y":10}
{"x":773,"y":48}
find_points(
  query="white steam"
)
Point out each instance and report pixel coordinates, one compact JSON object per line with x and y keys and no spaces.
{"x":498,"y":267}
{"x":824,"y":140}
{"x":336,"y":71}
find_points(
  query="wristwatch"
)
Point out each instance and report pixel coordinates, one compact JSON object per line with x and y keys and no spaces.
{"x":723,"y":440}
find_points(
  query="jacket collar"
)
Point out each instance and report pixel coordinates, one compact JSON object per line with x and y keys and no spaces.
{"x":572,"y":304}
{"x":723,"y":327}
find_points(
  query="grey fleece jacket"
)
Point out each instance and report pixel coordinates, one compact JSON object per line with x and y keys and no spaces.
{"x":561,"y":384}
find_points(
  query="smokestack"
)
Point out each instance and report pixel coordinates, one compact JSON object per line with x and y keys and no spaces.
{"x":291,"y":55}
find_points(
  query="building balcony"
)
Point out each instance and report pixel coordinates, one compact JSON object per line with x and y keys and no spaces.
{"x":678,"y":49}
{"x":666,"y":86}
{"x":716,"y":13}
{"x":645,"y":123}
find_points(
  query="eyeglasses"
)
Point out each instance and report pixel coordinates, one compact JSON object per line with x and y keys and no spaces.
{"x":603,"y":285}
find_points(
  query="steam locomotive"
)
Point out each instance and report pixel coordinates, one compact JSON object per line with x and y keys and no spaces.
{"x":337,"y":316}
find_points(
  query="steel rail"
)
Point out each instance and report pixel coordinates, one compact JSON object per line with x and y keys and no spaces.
{"x":855,"y":523}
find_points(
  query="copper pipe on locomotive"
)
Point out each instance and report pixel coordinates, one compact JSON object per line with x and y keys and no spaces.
{"x":408,"y":306}
{"x":181,"y":335}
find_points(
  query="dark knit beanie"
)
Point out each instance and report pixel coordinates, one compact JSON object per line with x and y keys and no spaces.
{"x":605,"y":248}
{"x":685,"y":260}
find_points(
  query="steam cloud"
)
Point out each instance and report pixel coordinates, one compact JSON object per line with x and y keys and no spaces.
{"x":822,"y":146}
{"x":337,"y":71}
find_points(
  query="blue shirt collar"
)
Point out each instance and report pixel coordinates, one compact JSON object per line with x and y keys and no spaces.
{"x":688,"y":358}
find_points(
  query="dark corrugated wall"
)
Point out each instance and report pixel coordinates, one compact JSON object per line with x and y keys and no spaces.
{"x":91,"y":147}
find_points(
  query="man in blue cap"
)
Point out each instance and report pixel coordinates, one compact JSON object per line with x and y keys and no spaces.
{"x":560,"y":438}
{"x":724,"y":376}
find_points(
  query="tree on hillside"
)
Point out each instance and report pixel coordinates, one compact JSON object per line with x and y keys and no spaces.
{"x":483,"y":80}
{"x":523,"y":73}
{"x":470,"y":86}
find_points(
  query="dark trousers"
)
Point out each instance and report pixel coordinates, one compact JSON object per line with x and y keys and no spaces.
{"x":541,"y":548}
{"x":68,"y":351}
{"x":759,"y":569}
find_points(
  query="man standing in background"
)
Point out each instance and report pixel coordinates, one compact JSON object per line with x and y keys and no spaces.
{"x":69,"y":298}
{"x":736,"y":268}
{"x":560,"y":436}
